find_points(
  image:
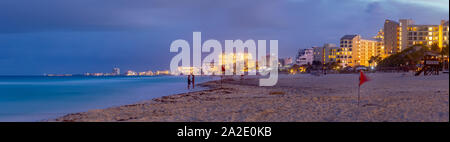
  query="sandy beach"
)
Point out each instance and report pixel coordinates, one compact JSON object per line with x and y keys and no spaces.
{"x":388,"y":97}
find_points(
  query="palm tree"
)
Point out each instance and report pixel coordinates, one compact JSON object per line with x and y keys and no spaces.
{"x":435,"y":48}
{"x":411,"y":55}
{"x":374,"y":59}
{"x":371,"y":61}
{"x":444,"y":52}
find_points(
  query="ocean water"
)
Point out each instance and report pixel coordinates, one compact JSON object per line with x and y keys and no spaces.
{"x":37,"y":98}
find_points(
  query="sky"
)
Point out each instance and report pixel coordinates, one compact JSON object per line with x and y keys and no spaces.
{"x":78,"y":36}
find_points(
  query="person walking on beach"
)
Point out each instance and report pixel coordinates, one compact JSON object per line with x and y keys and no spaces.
{"x":193,"y":81}
{"x":189,"y":81}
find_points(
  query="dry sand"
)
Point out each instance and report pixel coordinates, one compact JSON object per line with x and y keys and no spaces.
{"x":390,"y":97}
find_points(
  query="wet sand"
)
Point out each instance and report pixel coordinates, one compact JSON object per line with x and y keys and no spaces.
{"x":388,"y":97}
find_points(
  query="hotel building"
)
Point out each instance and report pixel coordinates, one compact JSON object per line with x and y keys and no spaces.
{"x":369,"y":48}
{"x":305,"y":56}
{"x":325,"y":54}
{"x":348,"y":44}
{"x":405,"y":33}
{"x":284,"y":62}
{"x":131,"y":73}
{"x":393,"y":38}
{"x":356,"y":51}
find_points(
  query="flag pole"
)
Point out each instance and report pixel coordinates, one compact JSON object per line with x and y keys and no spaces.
{"x":362,"y":79}
{"x":359,"y":88}
{"x":359,"y":111}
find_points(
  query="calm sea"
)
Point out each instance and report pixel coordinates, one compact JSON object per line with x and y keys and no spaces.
{"x":36,"y":98}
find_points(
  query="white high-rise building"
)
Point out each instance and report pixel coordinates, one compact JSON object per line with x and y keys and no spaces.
{"x":305,"y":56}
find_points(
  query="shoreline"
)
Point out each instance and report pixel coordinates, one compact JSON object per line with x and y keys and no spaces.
{"x":179,"y":89}
{"x":296,"y":98}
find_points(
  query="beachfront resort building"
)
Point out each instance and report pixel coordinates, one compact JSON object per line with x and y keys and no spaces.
{"x":305,"y":56}
{"x":348,"y":44}
{"x":146,"y":73}
{"x":393,"y":38}
{"x":369,"y":48}
{"x":131,"y":73}
{"x":390,"y":37}
{"x":285,"y":62}
{"x":405,"y":33}
{"x":162,"y":72}
{"x":355,"y":51}
{"x":325,"y":54}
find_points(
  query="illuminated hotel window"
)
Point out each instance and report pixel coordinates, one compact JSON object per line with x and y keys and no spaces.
{"x":430,"y":28}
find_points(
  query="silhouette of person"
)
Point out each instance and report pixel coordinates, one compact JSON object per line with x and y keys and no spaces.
{"x":193,"y":81}
{"x":189,"y":81}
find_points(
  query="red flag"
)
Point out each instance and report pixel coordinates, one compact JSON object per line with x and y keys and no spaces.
{"x":362,"y":78}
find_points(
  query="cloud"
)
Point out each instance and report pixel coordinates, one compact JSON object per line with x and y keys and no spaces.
{"x":106,"y":15}
{"x":440,"y":5}
{"x":375,"y":8}
{"x":87,"y":15}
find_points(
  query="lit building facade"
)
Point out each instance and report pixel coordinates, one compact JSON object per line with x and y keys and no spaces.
{"x":405,"y":33}
{"x":305,"y":56}
{"x":285,"y":62}
{"x":146,"y":73}
{"x":391,"y":37}
{"x":368,"y":49}
{"x":131,"y":73}
{"x":356,"y":51}
{"x":444,"y":32}
{"x":381,"y":48}
{"x":347,"y":53}
{"x":164,"y":72}
{"x":325,"y":54}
